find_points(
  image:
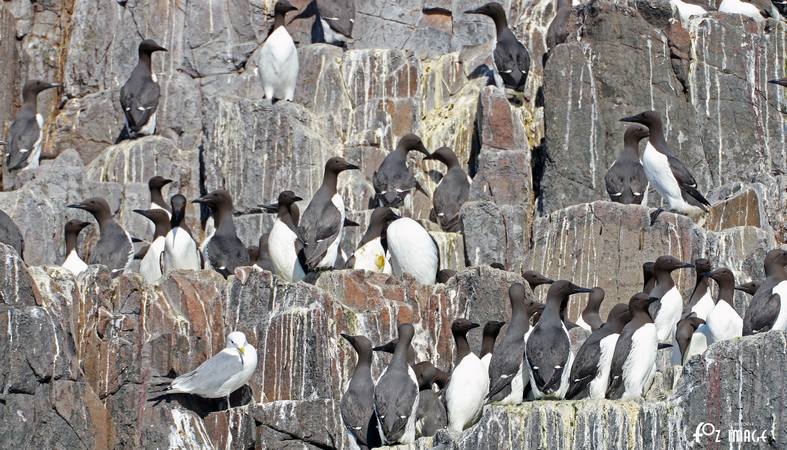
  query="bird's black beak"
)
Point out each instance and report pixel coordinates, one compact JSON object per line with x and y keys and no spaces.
{"x":270,"y":207}
{"x":76,"y":206}
{"x":298,"y":199}
{"x":581,"y":290}
{"x":653,"y":299}
{"x":430,"y":157}
{"x":141,"y":212}
{"x":351,"y":223}
{"x":473,"y":11}
{"x":473,"y":325}
{"x":632,"y":119}
{"x":351,"y":167}
{"x":167,"y":181}
{"x":705,"y":274}
{"x":160,"y":49}
{"x":423,"y":150}
{"x":54,"y":85}
{"x":685,"y":266}
{"x":348,"y":338}
{"x":200,"y":200}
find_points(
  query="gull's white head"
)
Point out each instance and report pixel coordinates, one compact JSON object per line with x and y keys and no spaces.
{"x":237,"y":340}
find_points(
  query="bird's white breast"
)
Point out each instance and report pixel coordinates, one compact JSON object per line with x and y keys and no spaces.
{"x":180,"y":251}
{"x":659,"y":173}
{"x":640,"y":361}
{"x":724,"y":322}
{"x":669,"y":314}
{"x":781,"y":318}
{"x":150,"y":267}
{"x":466,"y":392}
{"x":704,"y":306}
{"x":412,"y":250}
{"x":74,"y":263}
{"x":598,"y":386}
{"x":281,"y":247}
{"x":371,"y":256}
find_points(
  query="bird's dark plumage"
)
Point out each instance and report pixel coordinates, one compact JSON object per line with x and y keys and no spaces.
{"x":139,"y":96}
{"x":225,"y":251}
{"x":625,"y":181}
{"x":765,"y":305}
{"x":393,"y":180}
{"x":113,"y":248}
{"x":511,"y":56}
{"x":451,"y":193}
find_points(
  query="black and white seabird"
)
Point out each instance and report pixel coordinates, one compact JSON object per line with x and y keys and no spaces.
{"x":723,"y":320}
{"x":412,"y":250}
{"x":321,"y":226}
{"x":768,"y":308}
{"x":507,"y":375}
{"x":625,"y":180}
{"x":283,"y":243}
{"x":223,"y":251}
{"x":180,"y":248}
{"x":690,"y":339}
{"x":139,"y":97}
{"x":648,"y":280}
{"x":666,"y":173}
{"x":701,"y":301}
{"x":279,"y":57}
{"x":668,"y":309}
{"x":25,"y":136}
{"x":548,"y":349}
{"x":590,"y":319}
{"x":114,"y":248}
{"x":431,"y":415}
{"x":156,"y":198}
{"x":73,"y":262}
{"x":357,"y":404}
{"x":396,"y":394}
{"x":634,"y":359}
{"x":336,"y":19}
{"x":491,"y":330}
{"x":469,"y":383}
{"x":10,"y":234}
{"x":749,"y":287}
{"x":511,"y":56}
{"x":150,"y":267}
{"x":590,"y":370}
{"x":393,"y":180}
{"x":451,"y":193}
{"x":371,"y":253}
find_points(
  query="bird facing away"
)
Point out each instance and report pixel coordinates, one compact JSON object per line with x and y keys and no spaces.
{"x":279,"y":57}
{"x":768,"y":308}
{"x":139,"y":97}
{"x":626,"y":181}
{"x":452,"y":192}
{"x":548,"y":349}
{"x":114,"y":248}
{"x":666,"y":173}
{"x":357,"y":404}
{"x":393,"y":180}
{"x":25,"y":136}
{"x":511,"y":57}
{"x":224,"y":251}
{"x":396,"y":394}
{"x":222,"y":374}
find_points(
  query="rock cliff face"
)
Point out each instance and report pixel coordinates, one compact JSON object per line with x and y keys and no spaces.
{"x":78,"y":356}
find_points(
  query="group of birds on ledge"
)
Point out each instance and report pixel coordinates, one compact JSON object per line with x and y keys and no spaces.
{"x":534,"y":359}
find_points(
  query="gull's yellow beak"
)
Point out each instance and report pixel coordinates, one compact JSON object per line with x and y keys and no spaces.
{"x":241,"y":350}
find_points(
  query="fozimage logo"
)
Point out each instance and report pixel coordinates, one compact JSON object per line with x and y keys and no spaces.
{"x":741,"y":434}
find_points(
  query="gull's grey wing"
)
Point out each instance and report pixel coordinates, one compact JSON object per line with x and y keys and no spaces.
{"x":210,"y":375}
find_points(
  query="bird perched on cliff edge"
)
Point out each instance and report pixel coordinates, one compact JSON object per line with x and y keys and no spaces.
{"x":139,"y":97}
